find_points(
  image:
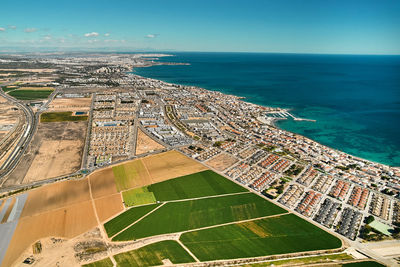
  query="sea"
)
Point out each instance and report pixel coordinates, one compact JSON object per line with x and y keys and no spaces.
{"x":355,"y":99}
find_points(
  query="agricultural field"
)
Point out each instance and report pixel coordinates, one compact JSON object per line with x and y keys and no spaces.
{"x":102,"y":263}
{"x":269,"y":236}
{"x":138,"y":196}
{"x":128,"y":217}
{"x":205,"y":183}
{"x":61,"y":116}
{"x":130,"y":175}
{"x":180,"y":216}
{"x":30,"y":94}
{"x":70,"y":104}
{"x":164,"y":252}
{"x":153,"y":169}
{"x":171,"y":164}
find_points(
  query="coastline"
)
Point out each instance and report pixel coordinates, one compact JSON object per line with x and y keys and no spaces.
{"x":274,"y":121}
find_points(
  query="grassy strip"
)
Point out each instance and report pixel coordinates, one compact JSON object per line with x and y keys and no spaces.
{"x":60,"y":116}
{"x":205,"y":183}
{"x":7,"y":89}
{"x":154,"y":254}
{"x":123,"y":220}
{"x":101,"y":263}
{"x":305,"y":260}
{"x":186,"y":215}
{"x":30,"y":94}
{"x":364,"y":264}
{"x":270,"y":236}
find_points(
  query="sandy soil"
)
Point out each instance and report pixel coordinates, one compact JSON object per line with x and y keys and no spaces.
{"x":55,"y":158}
{"x":102,"y":183}
{"x":65,"y":222}
{"x":385,"y":248}
{"x":145,"y":144}
{"x":55,"y":196}
{"x":221,"y":162}
{"x":108,"y":206}
{"x":169,"y":165}
{"x":55,"y":150}
{"x":70,"y":104}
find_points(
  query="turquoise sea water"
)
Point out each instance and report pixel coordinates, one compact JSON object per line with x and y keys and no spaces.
{"x":355,"y":99}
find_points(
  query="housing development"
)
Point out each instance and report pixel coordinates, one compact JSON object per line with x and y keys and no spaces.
{"x":102,"y":167}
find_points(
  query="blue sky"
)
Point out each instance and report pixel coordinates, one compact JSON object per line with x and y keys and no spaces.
{"x":289,"y":26}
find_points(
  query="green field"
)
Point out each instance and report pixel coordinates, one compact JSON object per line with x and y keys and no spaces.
{"x":7,"y":89}
{"x":364,"y":264}
{"x":123,"y":220}
{"x":205,"y":183}
{"x":153,"y":254}
{"x":186,"y":215}
{"x":129,"y":175}
{"x":60,"y":116}
{"x":30,"y":94}
{"x":101,"y":263}
{"x":277,"y":235}
{"x":138,"y":196}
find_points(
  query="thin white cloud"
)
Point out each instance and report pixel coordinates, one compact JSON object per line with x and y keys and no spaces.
{"x":29,"y":30}
{"x":106,"y":34}
{"x":12,"y":27}
{"x":92,"y":41}
{"x":91,"y":34}
{"x":47,"y":37}
{"x":2,"y":29}
{"x":154,"y":35}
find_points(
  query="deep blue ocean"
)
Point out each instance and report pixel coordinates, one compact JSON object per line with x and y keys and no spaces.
{"x":355,"y":99}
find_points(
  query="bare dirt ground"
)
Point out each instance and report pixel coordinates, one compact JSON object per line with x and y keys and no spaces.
{"x":108,"y":206}
{"x":145,"y":144}
{"x":56,"y":196}
{"x":40,"y":156}
{"x":169,"y":165}
{"x":70,"y":104}
{"x":103,"y":183}
{"x":221,"y":162}
{"x":66,"y":222}
{"x":55,"y":158}
{"x":385,"y":248}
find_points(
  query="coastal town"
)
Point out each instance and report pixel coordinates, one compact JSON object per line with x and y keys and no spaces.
{"x":121,"y":112}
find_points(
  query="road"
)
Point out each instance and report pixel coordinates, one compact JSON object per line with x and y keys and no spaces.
{"x":30,"y":128}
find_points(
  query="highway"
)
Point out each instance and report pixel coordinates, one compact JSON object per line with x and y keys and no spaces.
{"x":30,"y":128}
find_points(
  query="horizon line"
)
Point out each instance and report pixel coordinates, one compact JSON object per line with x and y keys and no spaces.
{"x":99,"y":50}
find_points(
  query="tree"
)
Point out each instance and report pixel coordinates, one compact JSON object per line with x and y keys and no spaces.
{"x":369,"y":219}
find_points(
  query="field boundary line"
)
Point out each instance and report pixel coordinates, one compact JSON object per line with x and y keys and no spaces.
{"x":144,"y":164}
{"x":235,"y":222}
{"x":188,"y":251}
{"x":138,"y":220}
{"x":199,"y":198}
{"x":99,"y":224}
